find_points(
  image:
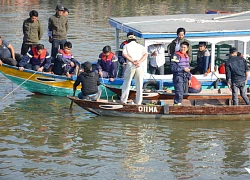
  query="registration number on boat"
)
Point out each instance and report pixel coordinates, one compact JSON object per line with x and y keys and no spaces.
{"x":147,"y":109}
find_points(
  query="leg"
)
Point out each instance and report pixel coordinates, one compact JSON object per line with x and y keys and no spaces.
{"x":35,"y":68}
{"x":9,"y":61}
{"x":128,"y":75}
{"x":61,"y":43}
{"x":25,"y":48}
{"x":161,"y":70}
{"x":28,"y":66}
{"x":242,"y":87}
{"x":179,"y":89}
{"x":139,"y":84}
{"x":54,"y":47}
{"x":235,"y":93}
{"x":152,"y":69}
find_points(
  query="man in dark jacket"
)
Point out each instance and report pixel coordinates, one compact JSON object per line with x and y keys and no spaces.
{"x":57,"y":30}
{"x":32,"y":32}
{"x":236,"y":75}
{"x":90,"y":83}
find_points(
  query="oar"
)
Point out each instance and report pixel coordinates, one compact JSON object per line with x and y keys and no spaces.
{"x":19,"y":85}
{"x":231,"y":15}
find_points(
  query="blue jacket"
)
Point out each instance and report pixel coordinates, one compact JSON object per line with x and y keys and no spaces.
{"x":108,"y":63}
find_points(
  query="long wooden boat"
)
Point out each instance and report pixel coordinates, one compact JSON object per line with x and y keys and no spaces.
{"x":205,"y":110}
{"x":164,"y":95}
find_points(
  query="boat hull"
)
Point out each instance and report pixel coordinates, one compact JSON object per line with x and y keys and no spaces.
{"x":167,"y":111}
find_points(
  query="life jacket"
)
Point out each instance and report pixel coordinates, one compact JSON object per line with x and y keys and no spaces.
{"x":107,"y":58}
{"x":222,"y":69}
{"x":38,"y":59}
{"x":67,"y":56}
{"x":195,"y":83}
{"x":184,"y":59}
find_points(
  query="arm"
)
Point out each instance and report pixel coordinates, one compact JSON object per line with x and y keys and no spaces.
{"x":40,"y":31}
{"x":47,"y":61}
{"x":228,"y":74}
{"x":99,"y":64}
{"x":12,"y":51}
{"x":23,"y":25}
{"x":67,"y":25}
{"x":190,"y":52}
{"x":24,"y":60}
{"x":77,"y":82}
{"x":50,"y":27}
{"x":246,"y":69}
{"x":97,"y":79}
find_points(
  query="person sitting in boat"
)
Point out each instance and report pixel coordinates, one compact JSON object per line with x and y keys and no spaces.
{"x":122,"y":60}
{"x":157,"y":58}
{"x":90,"y":83}
{"x":237,"y":75}
{"x":203,"y":59}
{"x":176,"y":43}
{"x":181,"y":72}
{"x":37,"y":59}
{"x":107,"y":64}
{"x":194,"y":86}
{"x":7,"y":53}
{"x":65,"y":63}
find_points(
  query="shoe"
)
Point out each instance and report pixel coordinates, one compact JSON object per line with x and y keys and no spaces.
{"x":179,"y":104}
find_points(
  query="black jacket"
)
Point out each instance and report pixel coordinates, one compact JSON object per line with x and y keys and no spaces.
{"x":236,"y":68}
{"x":90,"y":82}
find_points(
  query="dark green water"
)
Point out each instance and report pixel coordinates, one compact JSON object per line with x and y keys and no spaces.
{"x":41,"y":139}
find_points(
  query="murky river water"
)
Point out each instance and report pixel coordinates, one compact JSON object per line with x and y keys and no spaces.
{"x":41,"y":139}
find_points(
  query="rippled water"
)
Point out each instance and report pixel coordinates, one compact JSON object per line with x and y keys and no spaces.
{"x":41,"y":139}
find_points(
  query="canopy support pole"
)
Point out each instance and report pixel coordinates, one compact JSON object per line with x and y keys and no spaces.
{"x":117,"y":40}
{"x":212,"y":57}
{"x":236,"y":44}
{"x":244,"y":49}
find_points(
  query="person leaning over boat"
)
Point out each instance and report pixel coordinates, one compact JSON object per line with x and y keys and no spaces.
{"x":64,"y":62}
{"x":135,"y":55}
{"x":122,"y":60}
{"x":57,"y":30}
{"x":107,"y":64}
{"x":176,"y":43}
{"x":203,"y":59}
{"x":32,"y":32}
{"x":194,"y":86}
{"x":157,"y":58}
{"x":37,"y":59}
{"x":90,"y":83}
{"x":7,"y":53}
{"x":237,"y":75}
{"x":181,"y":72}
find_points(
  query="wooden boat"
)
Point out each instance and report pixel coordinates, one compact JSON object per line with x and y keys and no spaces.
{"x":204,"y":110}
{"x":169,"y":94}
{"x":217,"y":12}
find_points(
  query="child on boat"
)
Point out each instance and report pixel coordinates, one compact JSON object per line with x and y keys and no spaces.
{"x":90,"y":83}
{"x":65,"y":63}
{"x":181,"y":72}
{"x":37,"y":59}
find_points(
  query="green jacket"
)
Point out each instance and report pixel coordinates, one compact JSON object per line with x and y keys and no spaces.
{"x":58,"y":27}
{"x":171,"y":48}
{"x":32,"y":31}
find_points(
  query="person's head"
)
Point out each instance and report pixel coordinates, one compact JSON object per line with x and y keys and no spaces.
{"x":202,"y":46}
{"x":33,"y":15}
{"x":184,"y":47}
{"x":39,"y":49}
{"x":106,"y":50}
{"x":59,"y":9}
{"x":233,"y":51}
{"x":66,"y":11}
{"x":67,"y":46}
{"x":87,"y":67}
{"x":181,"y":33}
{"x":131,"y":37}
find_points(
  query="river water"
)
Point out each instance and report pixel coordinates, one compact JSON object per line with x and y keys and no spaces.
{"x":41,"y":139}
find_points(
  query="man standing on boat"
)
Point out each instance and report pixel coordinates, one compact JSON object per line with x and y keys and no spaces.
{"x":32,"y":32}
{"x":57,"y":30}
{"x":181,"y":72}
{"x":176,"y":43}
{"x":237,"y":75}
{"x":157,"y":58}
{"x":135,"y":55}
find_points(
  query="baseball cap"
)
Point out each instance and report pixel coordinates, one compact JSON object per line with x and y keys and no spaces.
{"x":202,"y":43}
{"x":59,"y":7}
{"x":232,"y":50}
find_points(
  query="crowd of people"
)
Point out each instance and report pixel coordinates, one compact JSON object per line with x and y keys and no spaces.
{"x":60,"y":60}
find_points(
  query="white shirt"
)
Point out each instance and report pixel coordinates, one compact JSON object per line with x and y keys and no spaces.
{"x":178,"y":45}
{"x":135,"y":51}
{"x":159,"y":59}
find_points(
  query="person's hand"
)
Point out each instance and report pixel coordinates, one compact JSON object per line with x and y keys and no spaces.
{"x":206,"y":74}
{"x":154,"y":54}
{"x":1,"y":63}
{"x":40,"y":69}
{"x":21,"y":68}
{"x":229,"y":86}
{"x":50,"y":39}
{"x":186,"y":69}
{"x":72,"y":64}
{"x":111,"y":79}
{"x":135,"y":62}
{"x":138,"y":64}
{"x":124,"y":64}
{"x":100,"y":73}
{"x":189,"y":83}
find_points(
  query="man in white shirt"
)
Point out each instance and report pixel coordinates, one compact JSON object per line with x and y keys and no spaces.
{"x":157,"y":59}
{"x":135,"y":55}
